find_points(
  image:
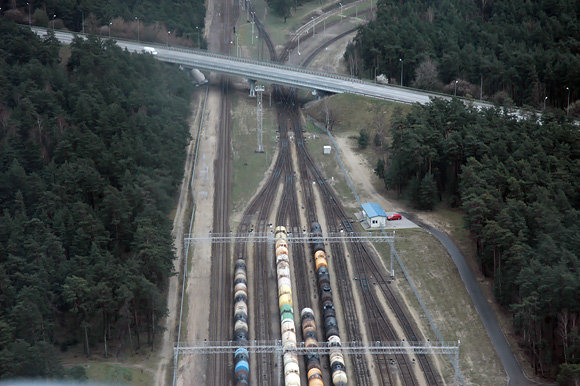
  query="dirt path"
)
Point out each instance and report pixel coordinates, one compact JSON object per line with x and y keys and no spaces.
{"x":192,"y":368}
{"x":360,"y":172}
{"x":195,"y":325}
{"x":166,"y":350}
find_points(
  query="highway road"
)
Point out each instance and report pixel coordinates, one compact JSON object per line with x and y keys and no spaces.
{"x":273,"y":73}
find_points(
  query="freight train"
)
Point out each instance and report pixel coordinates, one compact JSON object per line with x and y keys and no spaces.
{"x":241,"y":358}
{"x":291,"y":368}
{"x":331,"y":331}
{"x":310,"y":340}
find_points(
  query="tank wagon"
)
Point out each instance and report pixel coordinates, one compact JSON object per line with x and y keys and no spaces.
{"x":331,"y":331}
{"x":241,"y":357}
{"x":291,"y":368}
{"x":310,"y":340}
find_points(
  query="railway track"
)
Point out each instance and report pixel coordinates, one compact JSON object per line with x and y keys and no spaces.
{"x":365,"y":264}
{"x":257,"y":212}
{"x":308,"y":60}
{"x":221,"y":269}
{"x":360,"y":367}
{"x":378,"y":326}
{"x":221,"y":316}
{"x":289,"y":214}
{"x":380,"y":277}
{"x":262,"y":32}
{"x":292,"y":43}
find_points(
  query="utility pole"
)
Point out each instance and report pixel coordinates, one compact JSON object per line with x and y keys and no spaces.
{"x":401,"y":60}
{"x":327,"y":115}
{"x":259,"y":90}
{"x":237,"y":46}
{"x":252,"y":28}
{"x":568,"y":108}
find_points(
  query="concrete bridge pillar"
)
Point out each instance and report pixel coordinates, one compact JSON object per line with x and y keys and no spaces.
{"x":252,"y":87}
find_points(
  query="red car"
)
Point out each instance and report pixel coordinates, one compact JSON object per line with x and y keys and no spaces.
{"x":395,"y":216}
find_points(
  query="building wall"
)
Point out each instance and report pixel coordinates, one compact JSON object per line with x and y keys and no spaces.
{"x":377,"y":222}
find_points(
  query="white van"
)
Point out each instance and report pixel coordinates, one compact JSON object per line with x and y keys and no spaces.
{"x":150,"y":50}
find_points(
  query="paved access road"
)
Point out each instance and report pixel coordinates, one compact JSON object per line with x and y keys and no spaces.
{"x":498,"y":339}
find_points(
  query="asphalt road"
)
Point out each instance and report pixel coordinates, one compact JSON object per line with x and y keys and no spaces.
{"x":498,"y":339}
{"x":271,"y":72}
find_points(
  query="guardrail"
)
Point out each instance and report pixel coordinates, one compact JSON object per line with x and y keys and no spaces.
{"x":519,"y":113}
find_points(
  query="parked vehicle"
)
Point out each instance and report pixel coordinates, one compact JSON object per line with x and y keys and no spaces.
{"x":150,"y":50}
{"x":395,"y":216}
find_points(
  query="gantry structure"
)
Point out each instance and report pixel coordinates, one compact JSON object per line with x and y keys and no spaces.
{"x":324,"y":348}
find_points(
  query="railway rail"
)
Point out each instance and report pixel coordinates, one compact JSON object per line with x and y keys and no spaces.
{"x":256,"y":218}
{"x":221,"y":272}
{"x":366,"y":266}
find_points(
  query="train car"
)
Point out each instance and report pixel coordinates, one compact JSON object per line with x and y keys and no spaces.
{"x":241,"y":330}
{"x":331,"y":331}
{"x":280,"y":232}
{"x":281,"y":243}
{"x":310,"y":340}
{"x":287,"y":325}
{"x":315,"y":377}
{"x":317,"y":239}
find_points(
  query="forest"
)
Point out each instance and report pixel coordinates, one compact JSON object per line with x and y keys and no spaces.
{"x":92,"y":146}
{"x":518,"y":184}
{"x":147,"y":20}
{"x":522,"y":52}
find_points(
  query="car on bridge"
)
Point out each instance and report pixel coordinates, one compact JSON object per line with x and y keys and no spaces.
{"x":150,"y":50}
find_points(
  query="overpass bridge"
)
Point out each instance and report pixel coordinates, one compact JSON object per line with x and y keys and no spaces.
{"x":275,"y":73}
{"x":255,"y":70}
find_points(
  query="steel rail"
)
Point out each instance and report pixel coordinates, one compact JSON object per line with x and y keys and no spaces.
{"x":323,"y":348}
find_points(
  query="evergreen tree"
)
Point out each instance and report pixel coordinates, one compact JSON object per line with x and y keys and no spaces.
{"x":91,"y":153}
{"x":519,"y":187}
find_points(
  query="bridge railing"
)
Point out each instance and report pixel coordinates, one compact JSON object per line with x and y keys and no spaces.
{"x":160,"y":47}
{"x":266,"y":64}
